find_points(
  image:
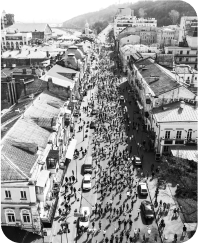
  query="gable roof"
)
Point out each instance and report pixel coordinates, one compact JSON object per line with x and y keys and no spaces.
{"x":163,"y":84}
{"x":29,"y":136}
{"x":29,"y":27}
{"x":173,"y":113}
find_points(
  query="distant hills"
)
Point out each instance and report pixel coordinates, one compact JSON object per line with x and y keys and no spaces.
{"x":154,"y":9}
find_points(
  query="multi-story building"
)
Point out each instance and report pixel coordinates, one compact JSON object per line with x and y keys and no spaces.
{"x":154,"y":86}
{"x":125,"y":18}
{"x":6,"y":20}
{"x":39,"y":31}
{"x":31,"y":155}
{"x":175,"y":127}
{"x":185,"y":24}
{"x":183,"y":55}
{"x":166,"y":37}
{"x":11,"y":39}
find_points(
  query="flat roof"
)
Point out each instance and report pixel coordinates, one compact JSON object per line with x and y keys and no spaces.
{"x":164,"y":83}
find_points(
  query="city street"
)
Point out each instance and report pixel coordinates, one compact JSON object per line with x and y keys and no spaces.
{"x":90,"y":198}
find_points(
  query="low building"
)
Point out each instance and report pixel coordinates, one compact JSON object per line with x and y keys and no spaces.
{"x":41,"y":31}
{"x":132,"y":39}
{"x":30,"y":164}
{"x":175,"y":126}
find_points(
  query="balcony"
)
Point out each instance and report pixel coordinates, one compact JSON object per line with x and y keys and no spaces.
{"x":191,"y":142}
{"x":179,"y":141}
{"x":168,"y":141}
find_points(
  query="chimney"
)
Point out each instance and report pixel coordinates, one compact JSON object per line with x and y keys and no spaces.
{"x":182,"y":104}
{"x":24,"y":71}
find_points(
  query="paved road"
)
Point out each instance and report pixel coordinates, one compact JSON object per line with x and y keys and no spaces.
{"x":93,"y":195}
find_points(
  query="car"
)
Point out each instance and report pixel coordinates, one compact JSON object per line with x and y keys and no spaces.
{"x":122,"y":98}
{"x":87,"y":182}
{"x":94,"y":112}
{"x":137,"y":161}
{"x":147,"y":209}
{"x":92,"y":125}
{"x":85,"y":220}
{"x":142,"y":187}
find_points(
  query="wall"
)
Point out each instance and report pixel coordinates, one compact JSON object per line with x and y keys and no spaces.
{"x":132,"y":39}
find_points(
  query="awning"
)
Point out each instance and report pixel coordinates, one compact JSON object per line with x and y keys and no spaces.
{"x":185,"y":152}
{"x":139,"y":105}
{"x":71,"y":148}
{"x":42,"y":178}
{"x":191,"y":226}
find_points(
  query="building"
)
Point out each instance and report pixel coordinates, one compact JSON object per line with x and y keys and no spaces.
{"x":6,"y":20}
{"x":175,"y":128}
{"x":186,"y":74}
{"x":11,"y":39}
{"x":166,"y":37}
{"x":183,"y":55}
{"x":125,"y":18}
{"x":185,"y":25}
{"x":132,"y":39}
{"x":31,"y":155}
{"x":41,"y":31}
{"x":154,"y":86}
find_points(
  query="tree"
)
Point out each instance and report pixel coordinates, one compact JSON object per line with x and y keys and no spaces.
{"x":174,"y":15}
{"x":183,"y":172}
{"x":110,"y":36}
{"x":142,"y":13}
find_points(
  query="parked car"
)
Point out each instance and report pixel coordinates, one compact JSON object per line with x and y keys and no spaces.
{"x":142,"y":187}
{"x":147,"y":209}
{"x":137,"y":161}
{"x":84,"y":221}
{"x":92,"y":125}
{"x":87,"y":182}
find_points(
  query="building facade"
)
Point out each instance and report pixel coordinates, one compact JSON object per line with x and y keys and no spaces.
{"x":125,"y":18}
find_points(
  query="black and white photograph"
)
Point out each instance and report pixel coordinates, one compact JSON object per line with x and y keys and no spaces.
{"x":99,"y":121}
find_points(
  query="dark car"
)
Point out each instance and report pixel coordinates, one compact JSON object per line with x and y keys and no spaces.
{"x":147,"y":209}
{"x":94,"y":112}
{"x":92,"y":125}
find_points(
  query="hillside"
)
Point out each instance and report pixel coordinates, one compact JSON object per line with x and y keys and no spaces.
{"x":154,"y":9}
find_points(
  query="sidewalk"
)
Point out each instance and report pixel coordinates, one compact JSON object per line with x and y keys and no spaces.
{"x":173,"y":225}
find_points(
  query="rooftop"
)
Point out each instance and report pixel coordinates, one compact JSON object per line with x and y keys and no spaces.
{"x":173,"y":113}
{"x":186,"y":152}
{"x":28,"y":27}
{"x":28,"y":137}
{"x":164,"y":83}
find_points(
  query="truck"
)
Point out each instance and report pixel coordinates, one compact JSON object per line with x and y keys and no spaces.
{"x":87,"y":167}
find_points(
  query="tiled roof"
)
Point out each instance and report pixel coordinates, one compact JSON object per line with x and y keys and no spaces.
{"x":28,"y":27}
{"x":31,"y":131}
{"x":162,"y":85}
{"x":10,"y":172}
{"x":186,"y":152}
{"x":173,"y":113}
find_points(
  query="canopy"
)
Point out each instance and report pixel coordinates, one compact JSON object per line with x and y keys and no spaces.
{"x":42,"y":178}
{"x":71,"y":148}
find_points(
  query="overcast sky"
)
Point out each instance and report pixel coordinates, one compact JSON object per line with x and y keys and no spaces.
{"x":56,"y":11}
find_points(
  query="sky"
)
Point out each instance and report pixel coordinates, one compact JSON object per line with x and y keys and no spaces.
{"x":57,"y":11}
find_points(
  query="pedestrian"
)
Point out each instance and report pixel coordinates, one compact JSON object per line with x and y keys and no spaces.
{"x":184,"y":231}
{"x":104,"y":233}
{"x":174,"y":212}
{"x":138,"y":212}
{"x":100,"y":225}
{"x":125,"y":224}
{"x":59,"y":211}
{"x":93,"y":225}
{"x":121,"y":239}
{"x":119,"y":223}
{"x":73,"y":178}
{"x":175,"y":237}
{"x":106,"y":240}
{"x":72,"y":172}
{"x":131,"y":239}
{"x":131,"y":204}
{"x":130,"y":223}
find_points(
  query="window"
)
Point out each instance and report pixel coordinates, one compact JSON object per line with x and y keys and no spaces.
{"x":188,"y":52}
{"x":178,"y":135}
{"x":180,"y":59}
{"x":186,"y":59}
{"x":165,"y":148}
{"x":181,"y":52}
{"x":167,"y":134}
{"x":23,"y":195}
{"x":7,"y":194}
{"x":10,"y":216}
{"x":189,"y":135}
{"x":26,"y":216}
